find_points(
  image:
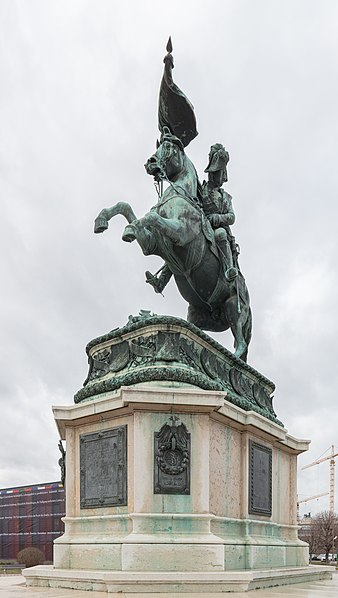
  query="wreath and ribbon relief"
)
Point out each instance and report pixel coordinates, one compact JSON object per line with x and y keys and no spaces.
{"x":172,"y":455}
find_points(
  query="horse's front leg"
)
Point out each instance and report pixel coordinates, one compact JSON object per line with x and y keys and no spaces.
{"x":136,"y":231}
{"x":138,"y":228}
{"x":174,"y":229}
{"x":123,"y":208}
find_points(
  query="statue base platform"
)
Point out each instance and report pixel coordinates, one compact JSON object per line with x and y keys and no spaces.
{"x":164,"y":583}
{"x":171,"y":487}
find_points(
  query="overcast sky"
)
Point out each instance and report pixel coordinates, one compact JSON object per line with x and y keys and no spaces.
{"x":78,"y":118}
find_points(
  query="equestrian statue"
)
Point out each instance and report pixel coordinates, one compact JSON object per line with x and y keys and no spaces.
{"x":189,"y":227}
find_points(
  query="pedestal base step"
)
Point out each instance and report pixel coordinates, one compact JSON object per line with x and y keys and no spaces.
{"x":170,"y":582}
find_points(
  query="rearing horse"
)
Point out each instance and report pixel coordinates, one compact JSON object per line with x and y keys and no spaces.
{"x":177,"y":230}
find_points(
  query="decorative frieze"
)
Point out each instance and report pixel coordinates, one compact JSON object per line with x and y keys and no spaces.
{"x":164,"y":348}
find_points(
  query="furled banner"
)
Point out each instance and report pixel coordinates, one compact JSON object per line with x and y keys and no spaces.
{"x":174,"y":109}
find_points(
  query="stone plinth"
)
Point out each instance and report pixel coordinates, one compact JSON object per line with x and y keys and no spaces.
{"x":179,"y":476}
{"x":205,"y":538}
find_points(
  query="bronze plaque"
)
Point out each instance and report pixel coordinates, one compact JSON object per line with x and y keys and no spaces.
{"x":103,"y":468}
{"x":172,"y":458}
{"x":260,"y":479}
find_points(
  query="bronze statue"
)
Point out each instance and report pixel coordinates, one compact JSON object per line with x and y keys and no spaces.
{"x":189,"y":227}
{"x":62,"y":463}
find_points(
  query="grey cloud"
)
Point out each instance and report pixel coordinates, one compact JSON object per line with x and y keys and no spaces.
{"x":78,"y":120}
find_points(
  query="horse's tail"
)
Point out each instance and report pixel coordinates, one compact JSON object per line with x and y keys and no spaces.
{"x":247,"y":328}
{"x":246,"y":318}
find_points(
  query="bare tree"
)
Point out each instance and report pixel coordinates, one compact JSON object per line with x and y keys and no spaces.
{"x":321,"y":533}
{"x":308,"y":534}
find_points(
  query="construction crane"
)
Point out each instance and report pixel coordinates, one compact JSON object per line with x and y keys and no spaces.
{"x":332,"y":464}
{"x":307,"y":499}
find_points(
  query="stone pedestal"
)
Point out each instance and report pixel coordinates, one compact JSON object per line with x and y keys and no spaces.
{"x":171,"y":488}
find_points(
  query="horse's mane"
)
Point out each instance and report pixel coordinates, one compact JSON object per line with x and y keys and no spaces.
{"x":189,"y":180}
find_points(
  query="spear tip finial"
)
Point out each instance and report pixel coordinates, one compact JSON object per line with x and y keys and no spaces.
{"x":169,"y":47}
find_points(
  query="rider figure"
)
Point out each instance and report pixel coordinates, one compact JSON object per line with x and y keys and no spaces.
{"x":217,"y":206}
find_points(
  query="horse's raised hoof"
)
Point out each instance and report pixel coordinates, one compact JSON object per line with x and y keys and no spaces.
{"x":129,"y":234}
{"x":100,"y":224}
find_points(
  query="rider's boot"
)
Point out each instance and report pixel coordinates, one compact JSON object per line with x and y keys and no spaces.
{"x":159,"y":283}
{"x":154,"y":281}
{"x":230,"y":271}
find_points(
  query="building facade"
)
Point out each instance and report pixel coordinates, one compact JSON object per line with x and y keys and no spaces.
{"x":31,"y":516}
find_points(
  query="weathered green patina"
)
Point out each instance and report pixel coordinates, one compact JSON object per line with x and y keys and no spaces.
{"x":158,"y":349}
{"x":189,"y":225}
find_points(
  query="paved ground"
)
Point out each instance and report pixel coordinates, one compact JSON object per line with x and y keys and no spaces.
{"x":13,"y":586}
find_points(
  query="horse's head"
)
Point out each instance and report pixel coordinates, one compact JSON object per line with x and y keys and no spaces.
{"x":169,"y":159}
{"x":171,"y":163}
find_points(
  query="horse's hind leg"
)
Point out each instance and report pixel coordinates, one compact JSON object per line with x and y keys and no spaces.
{"x":203,"y":318}
{"x":199,"y":316}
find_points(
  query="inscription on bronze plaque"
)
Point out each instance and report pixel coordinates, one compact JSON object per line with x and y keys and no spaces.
{"x":103,"y":468}
{"x":260,"y":479}
{"x":172,"y":458}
